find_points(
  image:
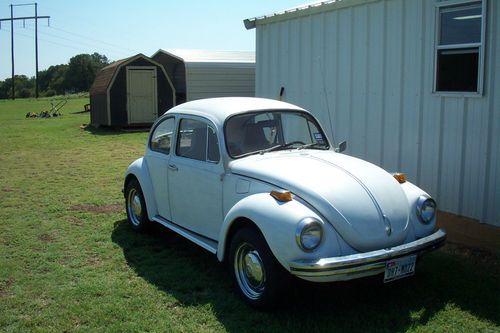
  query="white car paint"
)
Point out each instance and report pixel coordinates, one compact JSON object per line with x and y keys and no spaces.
{"x":362,"y":208}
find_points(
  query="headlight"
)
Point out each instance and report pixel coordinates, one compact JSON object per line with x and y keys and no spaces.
{"x":309,"y":234}
{"x":426,"y":209}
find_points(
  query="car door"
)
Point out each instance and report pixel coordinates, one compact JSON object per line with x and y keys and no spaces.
{"x":157,"y":159}
{"x":194,"y":178}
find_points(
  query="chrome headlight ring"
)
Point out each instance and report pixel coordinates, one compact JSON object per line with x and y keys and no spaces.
{"x":309,"y":234}
{"x":426,"y":209}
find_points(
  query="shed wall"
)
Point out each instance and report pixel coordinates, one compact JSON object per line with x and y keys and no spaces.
{"x":98,"y":109}
{"x":367,"y":73}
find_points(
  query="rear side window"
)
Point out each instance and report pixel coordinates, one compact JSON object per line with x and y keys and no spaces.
{"x":197,"y":140}
{"x":162,"y":136}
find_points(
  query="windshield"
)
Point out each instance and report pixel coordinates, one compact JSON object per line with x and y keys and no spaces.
{"x":260,"y":132}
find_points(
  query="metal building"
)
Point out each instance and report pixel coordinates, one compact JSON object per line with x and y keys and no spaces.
{"x":200,"y":74}
{"x":413,"y":86}
{"x":130,"y":92}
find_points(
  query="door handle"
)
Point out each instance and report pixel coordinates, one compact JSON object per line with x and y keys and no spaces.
{"x":173,"y":167}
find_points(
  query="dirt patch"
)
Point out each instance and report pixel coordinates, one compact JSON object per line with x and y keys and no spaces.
{"x":74,"y":220}
{"x":99,"y":209}
{"x":6,"y":286}
{"x":472,"y":253}
{"x":46,"y":238}
{"x":7,"y":189}
{"x":94,"y":261}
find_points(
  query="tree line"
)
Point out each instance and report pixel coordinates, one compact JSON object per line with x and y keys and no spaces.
{"x":76,"y":76}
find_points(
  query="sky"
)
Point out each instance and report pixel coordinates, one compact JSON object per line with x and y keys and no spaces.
{"x":119,"y":29}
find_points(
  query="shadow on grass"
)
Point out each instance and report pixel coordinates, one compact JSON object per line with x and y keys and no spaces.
{"x":106,"y":130}
{"x":194,"y":277}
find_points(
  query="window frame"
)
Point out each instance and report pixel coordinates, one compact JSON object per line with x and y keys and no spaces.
{"x":480,"y":46}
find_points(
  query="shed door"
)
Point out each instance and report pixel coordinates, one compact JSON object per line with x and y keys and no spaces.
{"x":142,"y":103}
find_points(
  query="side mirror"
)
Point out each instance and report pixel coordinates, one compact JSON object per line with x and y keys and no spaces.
{"x":341,"y":147}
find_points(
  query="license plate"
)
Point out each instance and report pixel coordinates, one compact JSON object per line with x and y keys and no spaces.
{"x":399,"y":268}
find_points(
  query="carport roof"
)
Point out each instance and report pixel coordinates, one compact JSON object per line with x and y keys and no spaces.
{"x":187,"y":55}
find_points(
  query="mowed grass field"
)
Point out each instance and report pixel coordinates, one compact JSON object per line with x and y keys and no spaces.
{"x":70,"y":263}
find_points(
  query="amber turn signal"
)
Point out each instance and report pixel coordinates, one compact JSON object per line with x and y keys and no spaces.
{"x":282,"y":196}
{"x":400,"y":177}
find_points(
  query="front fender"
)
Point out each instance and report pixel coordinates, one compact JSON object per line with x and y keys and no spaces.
{"x":139,"y":170}
{"x":420,"y":229}
{"x":278,"y":223}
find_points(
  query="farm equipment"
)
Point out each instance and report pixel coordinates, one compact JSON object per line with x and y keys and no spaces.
{"x":54,"y":111}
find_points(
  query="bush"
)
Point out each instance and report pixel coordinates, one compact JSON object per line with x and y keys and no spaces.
{"x":25,"y":93}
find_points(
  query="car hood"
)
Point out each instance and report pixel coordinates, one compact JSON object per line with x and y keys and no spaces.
{"x":363,"y":202}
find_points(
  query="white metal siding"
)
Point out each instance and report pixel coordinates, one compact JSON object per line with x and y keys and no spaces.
{"x":205,"y":80}
{"x":371,"y":67}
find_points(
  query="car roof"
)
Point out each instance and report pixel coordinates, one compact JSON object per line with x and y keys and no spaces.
{"x":219,"y":109}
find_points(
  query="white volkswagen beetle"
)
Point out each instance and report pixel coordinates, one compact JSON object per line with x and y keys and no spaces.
{"x":257,"y":182}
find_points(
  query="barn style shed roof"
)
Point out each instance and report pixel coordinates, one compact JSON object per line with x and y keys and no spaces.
{"x":303,"y":10}
{"x":106,"y":74}
{"x":209,"y":56}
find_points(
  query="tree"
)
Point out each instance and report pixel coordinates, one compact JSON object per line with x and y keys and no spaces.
{"x":77,"y":75}
{"x":25,"y":87}
{"x":53,"y":79}
{"x":82,"y":70}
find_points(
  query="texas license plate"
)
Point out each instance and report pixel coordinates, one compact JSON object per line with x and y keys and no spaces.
{"x":399,"y":268}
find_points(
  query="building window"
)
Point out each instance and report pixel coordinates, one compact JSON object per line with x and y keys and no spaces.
{"x":459,"y":47}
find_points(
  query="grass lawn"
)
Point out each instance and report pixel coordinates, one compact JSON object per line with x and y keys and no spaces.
{"x":69,"y":262}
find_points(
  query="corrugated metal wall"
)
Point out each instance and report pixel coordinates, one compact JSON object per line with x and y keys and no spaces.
{"x":367,"y":73}
{"x":207,"y":80}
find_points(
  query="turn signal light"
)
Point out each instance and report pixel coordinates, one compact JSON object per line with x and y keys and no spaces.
{"x":282,"y":196}
{"x":400,"y":177}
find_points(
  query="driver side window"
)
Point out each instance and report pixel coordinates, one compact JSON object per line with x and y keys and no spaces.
{"x":197,"y":140}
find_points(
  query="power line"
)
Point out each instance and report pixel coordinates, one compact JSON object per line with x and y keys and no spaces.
{"x":95,"y":40}
{"x":114,"y":50}
{"x":17,"y":33}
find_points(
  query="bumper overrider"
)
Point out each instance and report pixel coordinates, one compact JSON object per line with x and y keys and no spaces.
{"x":362,"y":264}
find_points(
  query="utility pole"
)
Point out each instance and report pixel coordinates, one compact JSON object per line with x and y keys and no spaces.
{"x":24,"y":18}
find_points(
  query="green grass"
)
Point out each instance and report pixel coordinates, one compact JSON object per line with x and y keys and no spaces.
{"x":69,"y":262}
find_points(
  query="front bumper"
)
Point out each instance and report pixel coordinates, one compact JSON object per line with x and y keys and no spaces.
{"x":362,"y":264}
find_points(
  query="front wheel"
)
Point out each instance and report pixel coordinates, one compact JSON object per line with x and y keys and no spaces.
{"x":136,"y":206}
{"x":259,"y":279}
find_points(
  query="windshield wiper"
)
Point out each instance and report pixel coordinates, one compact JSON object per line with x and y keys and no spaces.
{"x":277,"y":147}
{"x":315,"y":145}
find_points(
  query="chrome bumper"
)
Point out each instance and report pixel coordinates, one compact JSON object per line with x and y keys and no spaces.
{"x":362,"y":264}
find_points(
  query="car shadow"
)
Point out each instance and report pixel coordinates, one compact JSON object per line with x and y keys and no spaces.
{"x":193,"y":276}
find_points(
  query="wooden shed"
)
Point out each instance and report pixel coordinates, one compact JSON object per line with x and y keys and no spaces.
{"x":200,"y":74}
{"x":130,"y":92}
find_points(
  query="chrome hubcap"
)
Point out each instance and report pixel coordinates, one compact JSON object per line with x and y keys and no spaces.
{"x":134,"y":207}
{"x":250,"y":272}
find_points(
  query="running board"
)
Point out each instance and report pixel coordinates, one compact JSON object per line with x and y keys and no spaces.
{"x":204,"y":242}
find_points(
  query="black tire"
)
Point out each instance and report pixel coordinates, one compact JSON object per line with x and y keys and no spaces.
{"x":135,"y":205}
{"x":259,"y":278}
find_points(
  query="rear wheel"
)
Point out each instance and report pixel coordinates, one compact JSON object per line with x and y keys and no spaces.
{"x":136,"y":206}
{"x":259,"y":279}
